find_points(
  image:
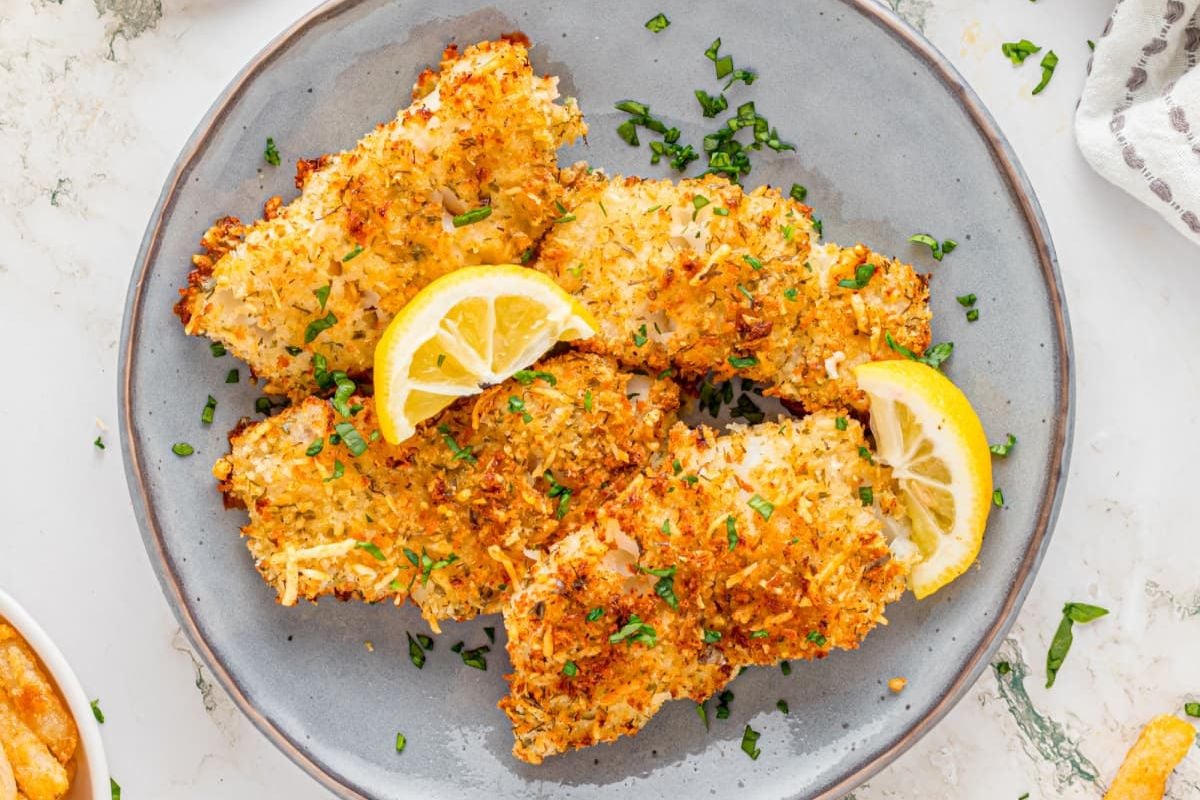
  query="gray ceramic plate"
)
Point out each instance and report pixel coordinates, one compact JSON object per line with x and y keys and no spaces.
{"x":890,"y":142}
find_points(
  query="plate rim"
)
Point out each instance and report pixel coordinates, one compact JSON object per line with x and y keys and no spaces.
{"x":1057,"y":465}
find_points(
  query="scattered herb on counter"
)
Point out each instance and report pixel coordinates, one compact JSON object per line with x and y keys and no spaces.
{"x":98,"y":443}
{"x":401,"y":742}
{"x":271,"y":153}
{"x":972,"y":315}
{"x":1060,"y":645}
{"x":785,"y":667}
{"x":217,"y":349}
{"x":702,"y":712}
{"x":782,"y":706}
{"x":723,"y":701}
{"x":998,"y":498}
{"x":96,"y":712}
{"x":232,"y":376}
{"x":750,"y":743}
{"x":474,"y":658}
{"x":1191,"y":709}
{"x":415,"y":654}
{"x":182,"y":449}
{"x":1049,"y":62}
{"x":658,"y":23}
{"x":966,"y":300}
{"x":798,"y":193}
{"x":1003,"y":667}
{"x":490,"y":632}
{"x":1017,"y":52}
{"x":935,"y":356}
{"x":210,"y":407}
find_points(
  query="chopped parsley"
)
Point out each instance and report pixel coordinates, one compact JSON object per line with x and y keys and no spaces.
{"x":339,"y":469}
{"x":785,"y":667}
{"x":939,"y":250}
{"x":1049,"y":62}
{"x":1003,"y":667}
{"x":664,"y":587}
{"x":723,"y":701}
{"x":587,"y":401}
{"x":764,"y":507}
{"x":343,"y":393}
{"x":731,"y":534}
{"x":515,"y":404}
{"x":702,"y":712}
{"x":570,"y":669}
{"x":865,"y":454}
{"x":840,"y":423}
{"x":867,"y":495}
{"x":561,"y":492}
{"x":526,"y":377}
{"x":972,"y":315}
{"x":98,"y":443}
{"x":415,"y":654}
{"x":698,"y":202}
{"x":798,"y":193}
{"x":1191,"y":709}
{"x":490,"y":632}
{"x":262,"y":405}
{"x":998,"y":498}
{"x":217,"y":349}
{"x":99,"y":715}
{"x":935,"y":356}
{"x":1017,"y":52}
{"x":710,"y":106}
{"x":372,"y":549}
{"x":1063,"y":637}
{"x":711,"y":636}
{"x":474,"y":658}
{"x":401,"y":742}
{"x":353,"y":254}
{"x":182,"y":449}
{"x":210,"y":407}
{"x":322,"y":295}
{"x":271,"y":153}
{"x":317,"y":325}
{"x":1003,"y":450}
{"x":232,"y":376}
{"x":754,"y":263}
{"x":658,"y":23}
{"x":640,"y":336}
{"x":750,"y":743}
{"x":115,"y":788}
{"x":460,"y":453}
{"x":743,"y":362}
{"x":595,"y":614}
{"x":472,"y":216}
{"x":635,"y":631}
{"x":292,"y":350}
{"x":782,"y":706}
{"x":564,"y":215}
{"x":817,"y":638}
{"x":862,"y":276}
{"x":759,"y":634}
{"x":316,"y":447}
{"x":350,"y":436}
{"x":966,"y":300}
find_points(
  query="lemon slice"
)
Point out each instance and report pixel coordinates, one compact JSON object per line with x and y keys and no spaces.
{"x":927,"y":432}
{"x":468,"y":330}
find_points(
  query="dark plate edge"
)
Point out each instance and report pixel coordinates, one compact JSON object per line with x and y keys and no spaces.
{"x":1056,"y":469}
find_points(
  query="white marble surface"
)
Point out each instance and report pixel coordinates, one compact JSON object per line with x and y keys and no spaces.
{"x":98,"y":96}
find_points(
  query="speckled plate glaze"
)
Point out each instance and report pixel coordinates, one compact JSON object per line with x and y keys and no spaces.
{"x":889,"y":141}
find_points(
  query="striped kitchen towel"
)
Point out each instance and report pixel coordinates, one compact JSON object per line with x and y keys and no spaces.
{"x":1138,"y":123}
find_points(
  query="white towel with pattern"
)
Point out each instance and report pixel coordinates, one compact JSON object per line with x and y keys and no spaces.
{"x":1138,"y":123}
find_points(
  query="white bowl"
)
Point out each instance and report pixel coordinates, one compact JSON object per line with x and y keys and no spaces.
{"x":91,"y":769}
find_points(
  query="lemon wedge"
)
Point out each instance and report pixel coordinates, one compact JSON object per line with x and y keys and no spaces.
{"x":927,"y":432}
{"x":468,"y":330}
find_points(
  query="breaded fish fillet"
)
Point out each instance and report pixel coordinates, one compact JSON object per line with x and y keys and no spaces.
{"x":699,"y":275}
{"x":374,"y":224}
{"x":759,"y":545}
{"x":452,"y":517}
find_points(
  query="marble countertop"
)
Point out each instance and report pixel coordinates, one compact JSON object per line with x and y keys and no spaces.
{"x":98,"y":96}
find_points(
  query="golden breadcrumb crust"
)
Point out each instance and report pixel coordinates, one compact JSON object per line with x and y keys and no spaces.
{"x":699,"y":275}
{"x":806,"y":572}
{"x":375,"y":224}
{"x":470,"y":488}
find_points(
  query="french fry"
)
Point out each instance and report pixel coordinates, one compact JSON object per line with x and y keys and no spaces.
{"x":1158,"y":750}
{"x":33,"y":696}
{"x":38,"y":773}
{"x":8,"y":783}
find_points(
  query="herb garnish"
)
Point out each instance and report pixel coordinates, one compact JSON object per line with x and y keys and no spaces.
{"x":472,"y":216}
{"x":474,"y":658}
{"x":782,"y":706}
{"x":526,"y":377}
{"x":415,"y":654}
{"x":316,"y":447}
{"x":710,"y":106}
{"x":353,"y":254}
{"x":317,"y":325}
{"x":658,"y":23}
{"x":232,"y":376}
{"x":1049,"y":62}
{"x":998,"y":498}
{"x":1017,"y":52}
{"x":939,"y":250}
{"x":750,"y":742}
{"x":862,"y":276}
{"x":711,"y":636}
{"x":460,"y":453}
{"x":182,"y":449}
{"x":96,"y":712}
{"x":817,"y":638}
{"x":764,"y":507}
{"x":798,"y":193}
{"x":372,"y":549}
{"x":731,"y":534}
{"x":723,"y":701}
{"x":1061,"y":644}
{"x":322,"y":295}
{"x":271,"y":153}
{"x":217,"y":349}
{"x":785,"y":667}
{"x":401,"y":742}
{"x":664,"y":587}
{"x":570,"y":669}
{"x":934,"y":356}
{"x":743,"y":362}
{"x":98,"y":443}
{"x":840,"y":423}
{"x":353,"y":440}
{"x":339,"y":469}
{"x":635,"y":631}
{"x":561,"y":492}
{"x":640,"y":337}
{"x":1191,"y":709}
{"x":595,"y":614}
{"x":867,"y":495}
{"x":1003,"y":450}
